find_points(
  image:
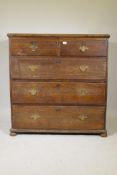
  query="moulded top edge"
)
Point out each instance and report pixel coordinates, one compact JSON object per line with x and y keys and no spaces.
{"x":58,"y":35}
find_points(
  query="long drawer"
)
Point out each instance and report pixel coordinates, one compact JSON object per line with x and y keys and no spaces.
{"x":58,"y":68}
{"x":58,"y":117}
{"x":58,"y":93}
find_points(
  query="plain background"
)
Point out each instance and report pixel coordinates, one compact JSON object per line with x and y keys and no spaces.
{"x":58,"y":154}
{"x":58,"y":16}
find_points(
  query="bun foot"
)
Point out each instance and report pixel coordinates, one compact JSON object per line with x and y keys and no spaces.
{"x":104,"y":134}
{"x":12,"y":133}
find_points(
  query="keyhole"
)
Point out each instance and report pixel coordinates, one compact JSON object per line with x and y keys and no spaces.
{"x":58,"y":86}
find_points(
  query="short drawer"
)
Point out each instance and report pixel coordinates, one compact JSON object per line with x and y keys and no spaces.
{"x":58,"y":93}
{"x":33,"y":46}
{"x":83,"y":47}
{"x":58,"y":117}
{"x":58,"y":68}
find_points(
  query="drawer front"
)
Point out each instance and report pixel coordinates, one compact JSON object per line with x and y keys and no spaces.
{"x":58,"y":68}
{"x":83,"y":47}
{"x":34,"y":46}
{"x":58,"y":93}
{"x":57,"y":117}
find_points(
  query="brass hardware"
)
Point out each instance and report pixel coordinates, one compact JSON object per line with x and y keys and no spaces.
{"x":32,"y":91}
{"x":82,"y":117}
{"x":83,"y":68}
{"x":83,"y":92}
{"x":34,"y":46}
{"x":33,"y":67}
{"x":35,"y":117}
{"x":83,"y":48}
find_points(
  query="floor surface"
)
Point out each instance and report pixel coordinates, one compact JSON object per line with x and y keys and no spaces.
{"x":58,"y":154}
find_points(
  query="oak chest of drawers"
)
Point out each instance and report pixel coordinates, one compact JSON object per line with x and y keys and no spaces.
{"x":58,"y":83}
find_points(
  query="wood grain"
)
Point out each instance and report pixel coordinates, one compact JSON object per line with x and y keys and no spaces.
{"x":34,"y":46}
{"x":44,"y":68}
{"x":94,"y":47}
{"x":58,"y":93}
{"x":58,"y":117}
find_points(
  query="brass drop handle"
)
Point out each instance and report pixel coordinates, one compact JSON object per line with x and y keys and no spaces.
{"x":32,"y":91}
{"x":83,"y":68}
{"x":33,"y":68}
{"x":33,"y":46}
{"x":83,"y":117}
{"x":83,"y":48}
{"x":83,"y":92}
{"x":35,"y":117}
